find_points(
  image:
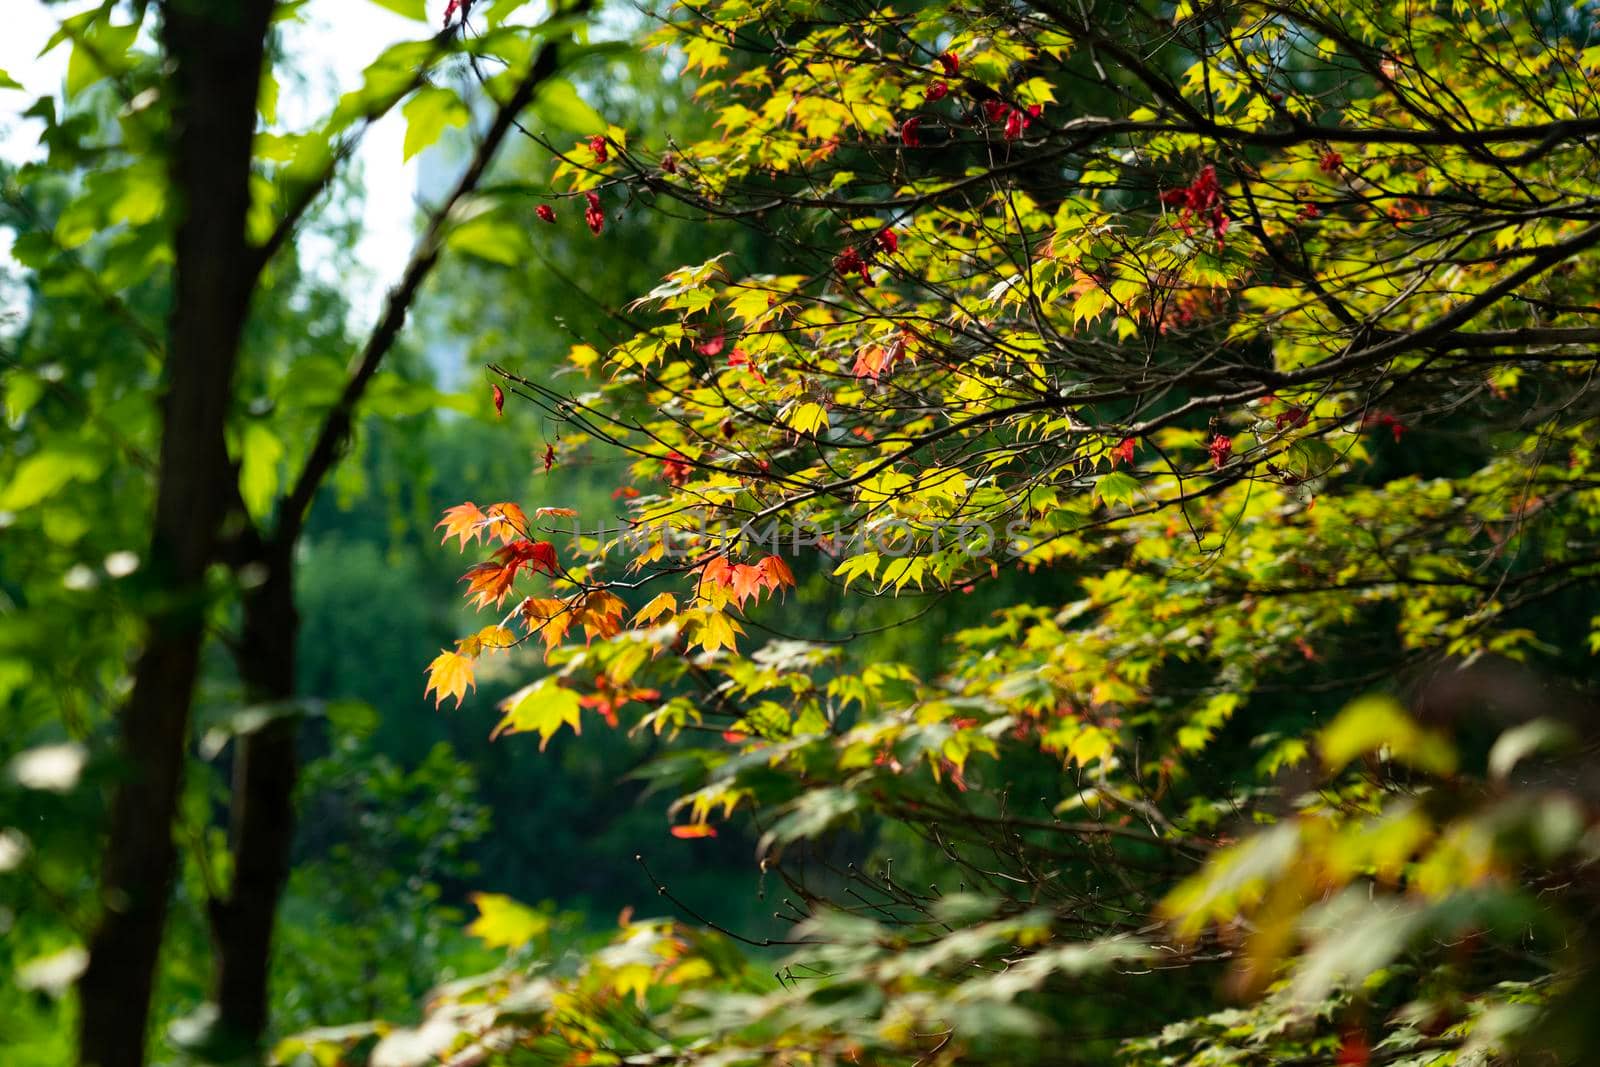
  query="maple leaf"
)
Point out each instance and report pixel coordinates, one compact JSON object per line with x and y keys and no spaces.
{"x":739,"y":358}
{"x":495,"y":637}
{"x":600,"y":614}
{"x":874,"y":359}
{"x":745,"y":580}
{"x":538,"y":556}
{"x":607,"y":700}
{"x":1354,"y":1050}
{"x":716,"y":572}
{"x":712,"y":346}
{"x":675,"y":468}
{"x":558,"y":513}
{"x":602,"y":704}
{"x":504,"y":923}
{"x":1123,"y":451}
{"x":663,"y":604}
{"x":850,"y":261}
{"x":463,"y":521}
{"x":505,"y":521}
{"x":1221,"y":447}
{"x":542,"y":708}
{"x":549,"y":618}
{"x":449,"y":675}
{"x":489,"y":583}
{"x":717,"y":631}
{"x":775,"y":574}
{"x":694,"y":830}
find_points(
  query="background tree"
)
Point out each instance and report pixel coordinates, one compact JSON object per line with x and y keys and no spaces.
{"x":179,"y":180}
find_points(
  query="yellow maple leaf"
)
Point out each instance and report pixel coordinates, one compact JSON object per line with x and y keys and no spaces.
{"x":449,"y":675}
{"x":663,"y":604}
{"x":503,"y":923}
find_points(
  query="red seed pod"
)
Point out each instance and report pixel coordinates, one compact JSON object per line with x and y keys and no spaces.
{"x":499,"y":402}
{"x":597,"y":145}
{"x":545,"y":213}
{"x":908,"y":132}
{"x":593,"y":215}
{"x":951,"y":63}
{"x":936,"y":92}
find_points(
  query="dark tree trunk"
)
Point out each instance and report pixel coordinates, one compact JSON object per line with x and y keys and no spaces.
{"x":262,"y":822}
{"x":216,"y":49}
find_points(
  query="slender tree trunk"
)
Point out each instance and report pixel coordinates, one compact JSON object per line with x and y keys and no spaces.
{"x":262,"y":823}
{"x":265,"y":763}
{"x":216,"y":48}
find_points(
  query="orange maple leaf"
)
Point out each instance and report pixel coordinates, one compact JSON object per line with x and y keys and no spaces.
{"x":463,"y":521}
{"x":698,"y":829}
{"x":600,"y":614}
{"x":505,"y":521}
{"x":746,"y":582}
{"x":548,"y":618}
{"x":490,"y":583}
{"x":775,"y":573}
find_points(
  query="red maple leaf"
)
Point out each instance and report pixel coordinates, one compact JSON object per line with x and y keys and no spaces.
{"x":740,"y":358}
{"x":1221,"y":447}
{"x":1353,"y":1050}
{"x":675,"y":467}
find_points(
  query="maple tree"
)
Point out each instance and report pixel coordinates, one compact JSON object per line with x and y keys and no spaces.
{"x":1118,"y":532}
{"x":1238,"y":359}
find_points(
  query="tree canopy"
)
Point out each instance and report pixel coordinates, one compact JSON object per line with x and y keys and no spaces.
{"x":1098,"y":512}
